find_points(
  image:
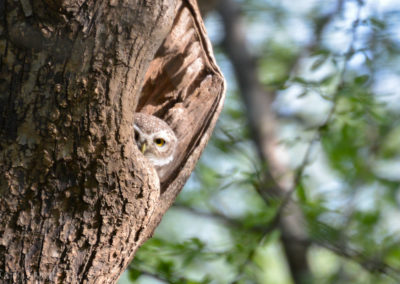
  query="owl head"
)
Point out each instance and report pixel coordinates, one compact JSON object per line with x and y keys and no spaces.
{"x":155,"y":139}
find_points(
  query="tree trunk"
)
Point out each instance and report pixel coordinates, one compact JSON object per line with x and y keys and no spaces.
{"x":263,"y":123}
{"x":77,"y":198}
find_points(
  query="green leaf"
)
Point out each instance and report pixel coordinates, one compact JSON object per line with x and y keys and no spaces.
{"x":166,"y":267}
{"x":361,"y":80}
{"x":368,"y":218}
{"x":301,"y":193}
{"x":133,"y":274}
{"x":377,"y":23}
{"x":319,"y":62}
{"x":393,"y":256}
{"x":301,"y":80}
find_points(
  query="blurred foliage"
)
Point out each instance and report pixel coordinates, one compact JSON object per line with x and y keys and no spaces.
{"x":335,"y":69}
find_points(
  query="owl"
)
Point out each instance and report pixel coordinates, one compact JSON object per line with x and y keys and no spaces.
{"x":156,"y":140}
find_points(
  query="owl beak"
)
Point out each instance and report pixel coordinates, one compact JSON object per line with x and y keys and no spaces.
{"x":143,"y":148}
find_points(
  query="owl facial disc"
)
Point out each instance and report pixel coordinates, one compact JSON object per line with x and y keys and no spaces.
{"x":155,"y":139}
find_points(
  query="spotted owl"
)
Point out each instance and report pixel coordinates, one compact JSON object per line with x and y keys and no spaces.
{"x":156,"y":140}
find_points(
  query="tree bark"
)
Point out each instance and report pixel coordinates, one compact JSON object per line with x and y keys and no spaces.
{"x":77,"y":198}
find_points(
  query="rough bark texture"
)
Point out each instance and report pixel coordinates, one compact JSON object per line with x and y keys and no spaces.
{"x":77,"y":198}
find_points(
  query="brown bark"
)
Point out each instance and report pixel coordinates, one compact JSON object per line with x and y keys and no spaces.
{"x":77,"y":198}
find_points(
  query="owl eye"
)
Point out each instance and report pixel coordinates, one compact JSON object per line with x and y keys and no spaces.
{"x":159,"y":142}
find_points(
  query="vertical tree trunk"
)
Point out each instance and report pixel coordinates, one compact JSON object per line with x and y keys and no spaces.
{"x":263,"y":122}
{"x":77,"y":198}
{"x":75,"y":194}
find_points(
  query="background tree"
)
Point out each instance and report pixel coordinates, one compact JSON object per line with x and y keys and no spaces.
{"x":77,"y":196}
{"x":309,"y":133}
